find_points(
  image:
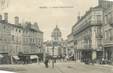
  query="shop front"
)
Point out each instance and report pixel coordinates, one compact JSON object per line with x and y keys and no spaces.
{"x":108,"y":55}
{"x":99,"y":56}
{"x":86,"y":56}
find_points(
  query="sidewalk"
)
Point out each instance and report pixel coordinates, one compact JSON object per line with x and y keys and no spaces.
{"x":106,"y":65}
{"x":12,"y":68}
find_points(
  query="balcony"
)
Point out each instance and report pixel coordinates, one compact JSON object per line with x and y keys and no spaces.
{"x":108,"y":41}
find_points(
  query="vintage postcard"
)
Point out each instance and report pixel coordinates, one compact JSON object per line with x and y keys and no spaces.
{"x":56,"y":36}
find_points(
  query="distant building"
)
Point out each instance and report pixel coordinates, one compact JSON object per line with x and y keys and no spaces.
{"x":56,"y":46}
{"x":48,"y":47}
{"x":56,"y":38}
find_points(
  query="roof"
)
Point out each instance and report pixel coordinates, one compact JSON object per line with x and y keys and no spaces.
{"x":56,"y":29}
{"x":32,"y":29}
{"x":29,"y":26}
{"x":19,"y":26}
{"x":87,"y":12}
{"x":13,"y":25}
{"x":105,"y":4}
{"x":70,"y":35}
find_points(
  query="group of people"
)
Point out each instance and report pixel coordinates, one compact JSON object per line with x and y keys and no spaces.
{"x":47,"y":58}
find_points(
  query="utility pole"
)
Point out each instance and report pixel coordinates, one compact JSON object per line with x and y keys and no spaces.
{"x":53,"y":56}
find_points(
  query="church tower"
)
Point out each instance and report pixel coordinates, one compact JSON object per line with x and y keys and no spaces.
{"x":56,"y":35}
{"x":56,"y":38}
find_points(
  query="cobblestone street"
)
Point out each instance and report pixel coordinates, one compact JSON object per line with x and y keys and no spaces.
{"x":65,"y":67}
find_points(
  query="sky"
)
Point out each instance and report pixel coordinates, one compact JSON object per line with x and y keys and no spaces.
{"x":49,"y":13}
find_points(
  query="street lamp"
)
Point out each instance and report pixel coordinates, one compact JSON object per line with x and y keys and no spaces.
{"x":54,"y":44}
{"x":53,"y":57}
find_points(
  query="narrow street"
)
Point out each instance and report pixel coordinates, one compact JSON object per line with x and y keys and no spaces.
{"x":65,"y":67}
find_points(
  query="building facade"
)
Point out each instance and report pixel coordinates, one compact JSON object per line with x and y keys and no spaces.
{"x":92,"y":34}
{"x":70,"y":46}
{"x":14,"y":38}
{"x":108,"y":34}
{"x":88,"y":33}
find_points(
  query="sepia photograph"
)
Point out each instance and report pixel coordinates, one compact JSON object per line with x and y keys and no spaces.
{"x":56,"y":36}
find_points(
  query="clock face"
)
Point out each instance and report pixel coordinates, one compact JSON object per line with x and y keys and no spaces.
{"x":4,"y":4}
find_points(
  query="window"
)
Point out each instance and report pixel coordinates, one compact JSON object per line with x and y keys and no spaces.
{"x":13,"y":37}
{"x":19,"y":30}
{"x":33,"y":40}
{"x":98,"y":19}
{"x":99,"y":30}
{"x":106,"y":19}
{"x":106,"y":35}
{"x":30,"y":39}
{"x":16,"y":30}
{"x":111,"y":34}
{"x":109,"y":18}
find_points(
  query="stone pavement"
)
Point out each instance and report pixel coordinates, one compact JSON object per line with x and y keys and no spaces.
{"x":61,"y":67}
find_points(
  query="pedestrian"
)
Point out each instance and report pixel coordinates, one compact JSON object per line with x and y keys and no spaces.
{"x":46,"y":62}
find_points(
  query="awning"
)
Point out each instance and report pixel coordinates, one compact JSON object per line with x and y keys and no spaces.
{"x":1,"y":56}
{"x":33,"y":57}
{"x":16,"y":57}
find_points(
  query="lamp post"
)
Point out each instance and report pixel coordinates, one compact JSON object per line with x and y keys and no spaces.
{"x":54,"y":44}
{"x":53,"y":57}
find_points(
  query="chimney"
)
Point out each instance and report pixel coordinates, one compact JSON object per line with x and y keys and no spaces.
{"x":16,"y":20}
{"x":6,"y":17}
{"x":0,"y":17}
{"x":100,"y":2}
{"x":78,"y":18}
